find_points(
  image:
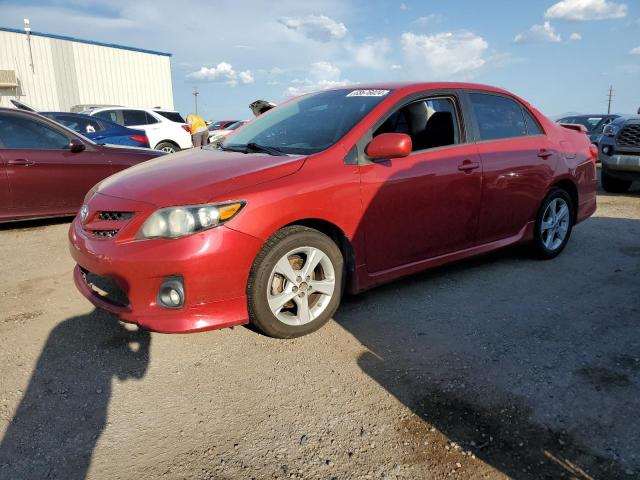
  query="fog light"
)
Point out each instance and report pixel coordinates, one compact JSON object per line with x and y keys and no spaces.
{"x":606,"y":149}
{"x":171,"y":293}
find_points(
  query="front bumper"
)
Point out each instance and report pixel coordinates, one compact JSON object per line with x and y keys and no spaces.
{"x":621,"y":166}
{"x":213,"y":264}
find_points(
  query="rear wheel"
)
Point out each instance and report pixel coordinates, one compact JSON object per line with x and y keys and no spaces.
{"x":168,"y":147}
{"x":614,"y":185}
{"x":553,"y":224}
{"x":295,"y":283}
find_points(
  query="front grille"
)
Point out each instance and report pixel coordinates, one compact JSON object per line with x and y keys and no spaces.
{"x":629,"y":136}
{"x":104,"y":233}
{"x":106,"y":288}
{"x":115,"y":216}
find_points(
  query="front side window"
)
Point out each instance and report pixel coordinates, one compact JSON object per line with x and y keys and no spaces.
{"x":497,"y":116}
{"x":308,"y":124}
{"x":17,"y":131}
{"x":430,"y":123}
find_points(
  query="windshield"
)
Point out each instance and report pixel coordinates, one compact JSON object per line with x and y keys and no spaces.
{"x":308,"y":124}
{"x":235,"y":126}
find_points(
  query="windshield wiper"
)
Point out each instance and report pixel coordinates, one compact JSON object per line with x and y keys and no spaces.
{"x":265,"y":149}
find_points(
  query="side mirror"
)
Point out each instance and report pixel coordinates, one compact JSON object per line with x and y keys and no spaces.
{"x":389,"y":145}
{"x":76,"y":146}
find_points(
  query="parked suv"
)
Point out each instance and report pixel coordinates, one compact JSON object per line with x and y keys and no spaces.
{"x":620,"y":154}
{"x":165,"y":129}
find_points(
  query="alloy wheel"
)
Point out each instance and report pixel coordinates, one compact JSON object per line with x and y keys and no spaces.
{"x":555,"y":223}
{"x":301,"y":286}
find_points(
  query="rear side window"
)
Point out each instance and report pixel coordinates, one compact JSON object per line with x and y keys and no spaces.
{"x":79,"y":124}
{"x":114,"y":116}
{"x":134,"y":117}
{"x":533,"y":127}
{"x":173,"y":116}
{"x":151,"y":119}
{"x":498,"y":117}
{"x":18,"y":131}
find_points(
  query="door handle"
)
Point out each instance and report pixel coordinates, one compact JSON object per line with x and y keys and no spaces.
{"x":544,"y":153}
{"x":20,"y":162}
{"x":468,"y":165}
{"x":100,"y":137}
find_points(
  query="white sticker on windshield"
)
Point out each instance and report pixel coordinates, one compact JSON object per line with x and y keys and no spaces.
{"x":368,"y":93}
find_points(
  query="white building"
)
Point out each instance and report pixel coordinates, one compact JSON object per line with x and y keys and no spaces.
{"x":56,"y":73}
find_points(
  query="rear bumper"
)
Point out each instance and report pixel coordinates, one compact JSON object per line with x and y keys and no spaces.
{"x":214,"y":266}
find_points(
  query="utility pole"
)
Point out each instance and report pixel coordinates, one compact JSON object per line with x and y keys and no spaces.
{"x":610,"y":97}
{"x":195,"y":96}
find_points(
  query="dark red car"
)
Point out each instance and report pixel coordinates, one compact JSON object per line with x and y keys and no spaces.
{"x":47,"y":169}
{"x":338,"y":190}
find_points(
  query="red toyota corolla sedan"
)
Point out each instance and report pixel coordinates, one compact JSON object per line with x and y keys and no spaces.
{"x":338,"y":190}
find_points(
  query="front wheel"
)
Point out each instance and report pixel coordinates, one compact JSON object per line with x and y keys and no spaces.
{"x":554,"y":223}
{"x":295,"y":283}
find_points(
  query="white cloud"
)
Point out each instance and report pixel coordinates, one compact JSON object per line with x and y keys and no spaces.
{"x":403,"y":6}
{"x":575,"y":36}
{"x":316,"y":27}
{"x":395,"y":66}
{"x":246,"y":77}
{"x":583,"y":10}
{"x":428,"y":19}
{"x":223,"y":72}
{"x":446,"y":53}
{"x":544,"y":33}
{"x":370,"y":54}
{"x":635,"y":51}
{"x":323,"y":75}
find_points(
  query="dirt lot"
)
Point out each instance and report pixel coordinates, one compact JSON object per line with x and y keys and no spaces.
{"x":498,"y":367}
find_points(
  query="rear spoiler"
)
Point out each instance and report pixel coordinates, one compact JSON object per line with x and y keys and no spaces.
{"x":575,"y":126}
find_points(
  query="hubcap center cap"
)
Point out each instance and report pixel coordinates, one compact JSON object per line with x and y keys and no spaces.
{"x":303,"y":286}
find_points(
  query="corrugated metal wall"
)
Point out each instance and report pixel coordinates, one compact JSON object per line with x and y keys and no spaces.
{"x":67,"y":73}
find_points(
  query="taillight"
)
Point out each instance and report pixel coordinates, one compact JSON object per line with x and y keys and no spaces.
{"x":593,"y":153}
{"x":186,"y":128}
{"x":140,"y":138}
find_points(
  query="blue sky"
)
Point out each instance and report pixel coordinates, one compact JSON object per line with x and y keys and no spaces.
{"x":561,"y":55}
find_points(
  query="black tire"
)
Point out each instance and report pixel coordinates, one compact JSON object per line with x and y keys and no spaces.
{"x":614,"y":185}
{"x":168,"y":147}
{"x":280,"y":243}
{"x":541,"y":250}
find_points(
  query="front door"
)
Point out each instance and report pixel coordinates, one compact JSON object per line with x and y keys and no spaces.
{"x":45,"y":177}
{"x":426,"y":204}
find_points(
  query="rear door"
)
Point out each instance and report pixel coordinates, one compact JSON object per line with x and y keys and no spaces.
{"x":44,"y":176}
{"x":518,"y":162}
{"x":142,"y":120}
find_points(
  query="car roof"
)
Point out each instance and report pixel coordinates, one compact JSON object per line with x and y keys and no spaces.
{"x":585,"y":115}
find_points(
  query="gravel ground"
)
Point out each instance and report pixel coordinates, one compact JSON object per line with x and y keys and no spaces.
{"x":498,"y":367}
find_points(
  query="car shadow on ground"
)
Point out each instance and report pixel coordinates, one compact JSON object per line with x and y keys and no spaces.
{"x":64,"y":408}
{"x":524,"y":363}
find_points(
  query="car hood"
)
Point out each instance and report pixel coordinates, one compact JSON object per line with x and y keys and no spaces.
{"x":196,"y":176}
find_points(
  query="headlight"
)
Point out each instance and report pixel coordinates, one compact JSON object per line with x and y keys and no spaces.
{"x":174,"y":222}
{"x":611,"y":130}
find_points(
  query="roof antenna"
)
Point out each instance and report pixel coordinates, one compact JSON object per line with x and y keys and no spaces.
{"x":27,"y":30}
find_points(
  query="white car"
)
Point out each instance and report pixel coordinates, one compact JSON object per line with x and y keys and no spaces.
{"x":165,"y":129}
{"x":216,"y":137}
